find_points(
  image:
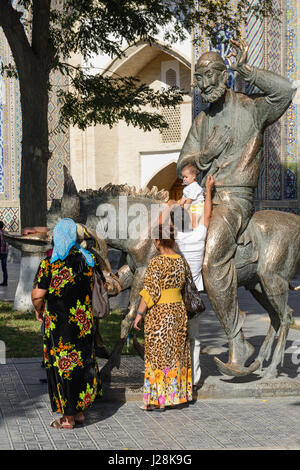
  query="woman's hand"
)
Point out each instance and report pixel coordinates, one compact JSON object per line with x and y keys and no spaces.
{"x":210,"y":182}
{"x":39,"y":316}
{"x":137,"y":321}
{"x":38,"y":301}
{"x":142,"y":309}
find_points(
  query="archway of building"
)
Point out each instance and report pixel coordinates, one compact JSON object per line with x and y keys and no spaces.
{"x":167,"y":179}
{"x":137,"y":56}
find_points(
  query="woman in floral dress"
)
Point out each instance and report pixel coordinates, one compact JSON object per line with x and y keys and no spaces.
{"x":61,"y":295}
{"x":168,"y":373}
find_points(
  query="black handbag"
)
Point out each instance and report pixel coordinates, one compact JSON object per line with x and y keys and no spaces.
{"x":192,"y":298}
{"x":100,"y":300}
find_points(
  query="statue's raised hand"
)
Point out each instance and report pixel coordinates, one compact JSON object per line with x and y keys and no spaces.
{"x":240,"y":53}
{"x":216,"y":143}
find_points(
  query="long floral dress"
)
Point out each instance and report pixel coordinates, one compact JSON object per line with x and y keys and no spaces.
{"x":68,"y":340}
{"x":168,"y":372}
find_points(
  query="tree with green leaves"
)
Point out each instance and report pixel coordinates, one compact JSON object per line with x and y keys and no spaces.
{"x":56,"y":30}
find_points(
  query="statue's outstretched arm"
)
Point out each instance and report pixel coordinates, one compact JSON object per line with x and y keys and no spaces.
{"x":278,"y":92}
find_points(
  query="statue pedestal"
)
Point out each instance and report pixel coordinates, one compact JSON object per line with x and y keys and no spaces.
{"x":28,"y":267}
{"x":33,"y":248}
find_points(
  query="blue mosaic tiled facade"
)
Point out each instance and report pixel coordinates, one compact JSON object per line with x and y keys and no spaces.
{"x":11,"y":149}
{"x":2,"y":103}
{"x":273,"y":45}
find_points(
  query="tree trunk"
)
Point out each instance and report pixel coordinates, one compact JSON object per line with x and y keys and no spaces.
{"x":32,"y":59}
{"x":35,"y":150}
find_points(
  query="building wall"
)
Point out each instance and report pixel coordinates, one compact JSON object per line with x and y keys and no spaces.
{"x":117,"y":151}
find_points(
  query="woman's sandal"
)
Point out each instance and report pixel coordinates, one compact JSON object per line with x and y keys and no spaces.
{"x":146,"y":408}
{"x":79,"y":422}
{"x":152,"y":408}
{"x":58,"y":424}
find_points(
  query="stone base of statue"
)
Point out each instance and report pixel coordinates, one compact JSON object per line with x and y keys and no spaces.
{"x":33,"y":248}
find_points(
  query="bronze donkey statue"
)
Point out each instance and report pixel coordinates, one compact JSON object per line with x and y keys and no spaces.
{"x":266,"y":258}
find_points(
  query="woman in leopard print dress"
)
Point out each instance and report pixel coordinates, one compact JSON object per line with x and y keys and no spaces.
{"x":168,"y":373}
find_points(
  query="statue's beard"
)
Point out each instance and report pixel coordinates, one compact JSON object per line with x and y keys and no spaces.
{"x":214,"y":94}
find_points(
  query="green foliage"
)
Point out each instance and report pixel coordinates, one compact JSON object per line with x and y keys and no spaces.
{"x":215,"y":16}
{"x":92,"y":27}
{"x":106,"y":100}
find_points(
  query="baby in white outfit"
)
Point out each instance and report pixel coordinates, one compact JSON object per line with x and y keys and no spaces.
{"x":193,"y":198}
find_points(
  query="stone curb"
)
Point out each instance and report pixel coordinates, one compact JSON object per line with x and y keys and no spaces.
{"x":209,"y":391}
{"x":127,"y":382}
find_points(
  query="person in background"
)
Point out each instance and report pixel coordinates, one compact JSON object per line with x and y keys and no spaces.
{"x":62,"y":298}
{"x":3,"y":255}
{"x":168,"y":373}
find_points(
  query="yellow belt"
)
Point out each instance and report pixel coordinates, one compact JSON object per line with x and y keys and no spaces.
{"x":170,"y":296}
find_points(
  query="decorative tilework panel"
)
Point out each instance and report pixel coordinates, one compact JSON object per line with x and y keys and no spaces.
{"x":291,"y":162}
{"x":59,"y":141}
{"x":274,"y":46}
{"x":254,"y":32}
{"x":273,"y":60}
{"x":11,"y":218}
{"x":11,"y":136}
{"x":12,"y":128}
{"x":1,"y":134}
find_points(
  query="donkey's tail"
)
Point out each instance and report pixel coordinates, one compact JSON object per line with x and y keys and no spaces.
{"x":293,"y":288}
{"x":236,"y":370}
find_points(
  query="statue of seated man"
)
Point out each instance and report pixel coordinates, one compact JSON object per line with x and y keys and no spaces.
{"x":225,"y":141}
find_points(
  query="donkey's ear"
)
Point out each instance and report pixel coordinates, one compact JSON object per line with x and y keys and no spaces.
{"x":70,"y":203}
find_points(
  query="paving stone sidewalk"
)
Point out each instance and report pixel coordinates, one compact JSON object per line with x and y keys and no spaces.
{"x":228,"y":413}
{"x":207,"y":424}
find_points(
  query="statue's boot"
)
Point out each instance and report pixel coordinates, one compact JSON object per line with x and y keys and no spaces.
{"x":240,"y":350}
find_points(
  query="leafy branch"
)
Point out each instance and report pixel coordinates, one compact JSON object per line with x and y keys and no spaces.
{"x":105,"y":100}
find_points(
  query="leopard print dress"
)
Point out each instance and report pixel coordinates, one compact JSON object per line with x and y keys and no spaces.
{"x":168,"y":373}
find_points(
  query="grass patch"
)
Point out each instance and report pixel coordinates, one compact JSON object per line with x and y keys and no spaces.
{"x":21,"y":332}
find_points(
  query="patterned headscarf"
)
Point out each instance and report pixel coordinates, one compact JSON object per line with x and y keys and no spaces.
{"x":65,"y":238}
